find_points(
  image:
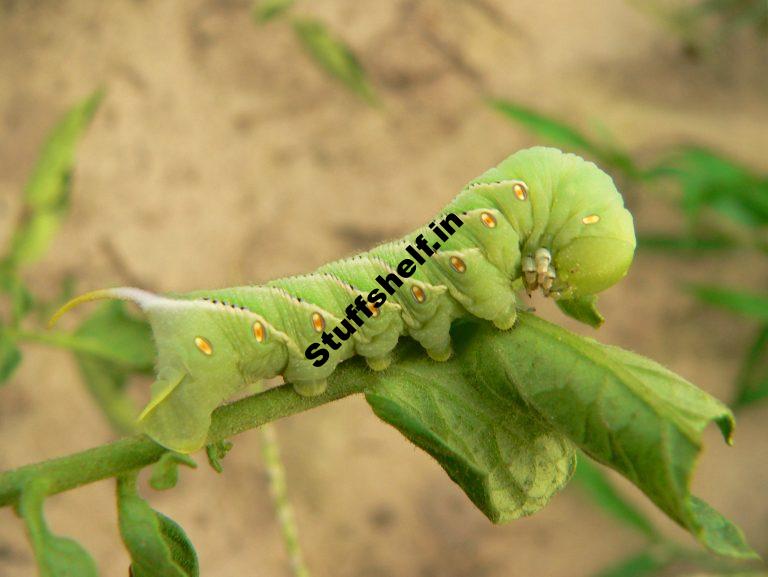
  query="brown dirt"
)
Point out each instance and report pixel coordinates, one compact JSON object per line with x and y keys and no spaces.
{"x":222,"y":155}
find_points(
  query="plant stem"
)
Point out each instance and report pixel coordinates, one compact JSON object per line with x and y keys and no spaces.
{"x":130,"y":453}
{"x":278,"y":488}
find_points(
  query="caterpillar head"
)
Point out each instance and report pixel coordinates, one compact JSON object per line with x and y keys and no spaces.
{"x":598,"y":259}
{"x":577,"y":236}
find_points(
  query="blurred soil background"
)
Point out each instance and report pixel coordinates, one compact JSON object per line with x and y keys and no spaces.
{"x":222,"y":155}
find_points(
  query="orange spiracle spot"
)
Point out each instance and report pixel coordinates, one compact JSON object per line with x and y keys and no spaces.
{"x":591,"y":219}
{"x":374,"y":309}
{"x":318,"y":322}
{"x":204,"y":346}
{"x":258,"y":331}
{"x":418,"y":294}
{"x":488,"y":220}
{"x":521,"y":190}
{"x":458,"y":265}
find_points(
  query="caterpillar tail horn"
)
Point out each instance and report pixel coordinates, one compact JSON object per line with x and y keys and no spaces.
{"x":139,"y":296}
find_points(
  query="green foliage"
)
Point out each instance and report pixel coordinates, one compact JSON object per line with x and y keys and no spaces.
{"x":592,"y":479}
{"x":508,"y":460}
{"x":725,"y":205}
{"x":705,"y":23}
{"x":47,"y":191}
{"x":326,"y":49}
{"x":623,"y":410}
{"x":747,"y":304}
{"x":708,"y":184}
{"x":709,"y":180}
{"x":502,"y":418}
{"x":216,"y":452}
{"x":266,"y":10}
{"x":56,"y":556}
{"x":334,"y":56}
{"x":752,"y":384}
{"x":583,"y":309}
{"x":22,"y":301}
{"x":639,"y":565}
{"x":165,"y":473}
{"x":10,"y":356}
{"x":158,"y":546}
{"x":565,"y":136}
{"x":125,"y":348}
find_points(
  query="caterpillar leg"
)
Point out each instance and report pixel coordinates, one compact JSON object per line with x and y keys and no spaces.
{"x":538,"y":272}
{"x":441,"y":354}
{"x":379,"y":363}
{"x":310,"y":388}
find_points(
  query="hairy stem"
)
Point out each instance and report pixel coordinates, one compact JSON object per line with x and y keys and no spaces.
{"x":130,"y":453}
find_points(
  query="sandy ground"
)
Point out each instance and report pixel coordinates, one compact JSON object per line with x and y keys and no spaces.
{"x":221,"y":156}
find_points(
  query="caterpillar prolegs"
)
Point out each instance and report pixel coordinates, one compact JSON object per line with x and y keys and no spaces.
{"x":541,"y":219}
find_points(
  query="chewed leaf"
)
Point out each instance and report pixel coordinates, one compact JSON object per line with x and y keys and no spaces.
{"x":56,"y":556}
{"x":334,"y":56}
{"x":157,"y":545}
{"x":583,"y":309}
{"x":507,"y":460}
{"x":500,"y":414}
{"x":622,"y":409}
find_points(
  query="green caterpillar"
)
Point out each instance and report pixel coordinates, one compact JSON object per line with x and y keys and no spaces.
{"x":541,"y":219}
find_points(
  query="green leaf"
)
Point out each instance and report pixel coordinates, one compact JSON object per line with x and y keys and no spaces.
{"x":639,"y":565}
{"x":545,"y":127}
{"x":711,"y":181}
{"x":266,"y":10}
{"x":109,"y":346}
{"x":568,"y":137}
{"x":492,"y":414}
{"x":216,"y":452}
{"x":157,"y":545}
{"x":117,"y":344}
{"x":55,"y":556}
{"x":106,"y":383}
{"x":47,"y":190}
{"x":583,"y":309}
{"x":47,"y":184}
{"x":22,"y":300}
{"x":507,"y":460}
{"x":684,"y":243}
{"x":748,"y":304}
{"x":165,"y":472}
{"x":32,"y":238}
{"x":127,"y":337}
{"x":603,"y":493}
{"x":752,"y":384}
{"x":334,"y":56}
{"x":10,"y":356}
{"x":623,"y":410}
